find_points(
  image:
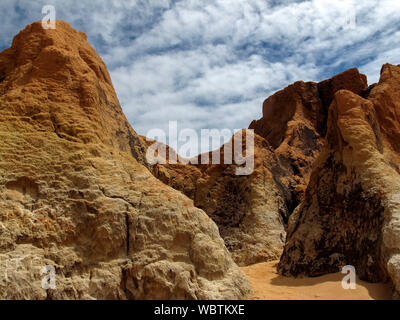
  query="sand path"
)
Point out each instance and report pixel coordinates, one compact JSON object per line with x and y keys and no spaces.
{"x":269,"y":285}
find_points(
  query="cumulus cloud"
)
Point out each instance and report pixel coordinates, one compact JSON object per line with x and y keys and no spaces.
{"x":210,"y":64}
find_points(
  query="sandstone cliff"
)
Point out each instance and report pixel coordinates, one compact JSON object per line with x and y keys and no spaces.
{"x":251,"y":211}
{"x":76,"y":190}
{"x":74,"y":194}
{"x":294,"y":123}
{"x":351,"y":210}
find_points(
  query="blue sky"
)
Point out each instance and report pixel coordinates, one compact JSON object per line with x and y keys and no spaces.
{"x":211,"y":63}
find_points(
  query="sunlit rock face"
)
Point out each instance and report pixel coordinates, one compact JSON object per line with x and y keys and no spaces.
{"x":350,"y":214}
{"x":294,"y":122}
{"x":75,"y":195}
{"x":252,"y":211}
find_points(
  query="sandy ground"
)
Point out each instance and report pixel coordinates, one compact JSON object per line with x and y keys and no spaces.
{"x":269,"y":285}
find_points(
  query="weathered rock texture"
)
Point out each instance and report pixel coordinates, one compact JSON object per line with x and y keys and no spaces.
{"x":251,"y":210}
{"x":351,"y":211}
{"x":74,"y":195}
{"x":294,"y":123}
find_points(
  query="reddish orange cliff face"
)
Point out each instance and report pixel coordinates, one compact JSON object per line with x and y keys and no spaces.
{"x":294,"y":122}
{"x":252,"y":211}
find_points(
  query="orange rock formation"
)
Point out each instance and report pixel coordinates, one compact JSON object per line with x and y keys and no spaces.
{"x":74,"y":193}
{"x":351,"y":210}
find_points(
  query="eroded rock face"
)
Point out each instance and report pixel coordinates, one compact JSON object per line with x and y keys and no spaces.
{"x":351,"y":210}
{"x":294,"y":123}
{"x":74,"y":194}
{"x":250,"y":210}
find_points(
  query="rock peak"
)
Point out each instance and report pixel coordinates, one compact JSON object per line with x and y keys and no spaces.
{"x":62,"y":54}
{"x":57,"y":78}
